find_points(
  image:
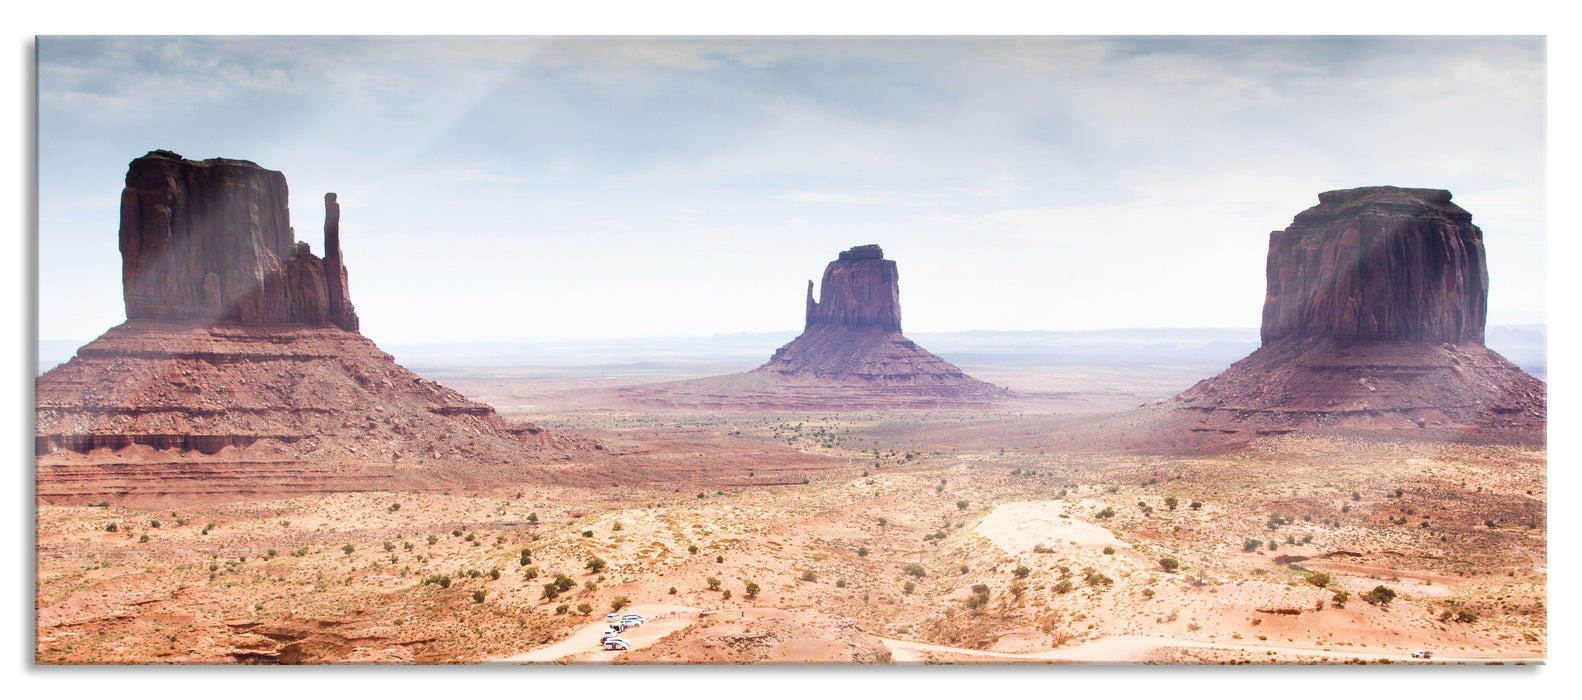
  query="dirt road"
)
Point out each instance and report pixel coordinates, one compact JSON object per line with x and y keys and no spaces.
{"x":1140,"y":648}
{"x":583,"y":646}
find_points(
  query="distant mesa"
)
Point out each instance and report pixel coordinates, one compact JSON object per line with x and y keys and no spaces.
{"x":240,"y":368}
{"x":851,"y":355}
{"x":1374,"y":318}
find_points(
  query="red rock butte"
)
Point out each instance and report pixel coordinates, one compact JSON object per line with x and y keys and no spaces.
{"x":1374,"y":319}
{"x":850,"y":356}
{"x":240,"y":369}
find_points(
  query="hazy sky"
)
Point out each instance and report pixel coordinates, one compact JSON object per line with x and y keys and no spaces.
{"x":496,"y":188}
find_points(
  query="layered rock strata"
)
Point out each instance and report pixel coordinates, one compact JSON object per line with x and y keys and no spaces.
{"x":1374,"y":317}
{"x":240,"y":370}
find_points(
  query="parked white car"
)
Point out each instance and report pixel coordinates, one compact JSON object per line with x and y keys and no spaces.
{"x":612,"y":617}
{"x":616,"y":644}
{"x":631,"y":620}
{"x":1422,"y":654}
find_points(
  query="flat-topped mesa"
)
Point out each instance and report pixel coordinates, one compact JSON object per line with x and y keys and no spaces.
{"x":1378,"y":264}
{"x":211,"y":241}
{"x":860,"y":288}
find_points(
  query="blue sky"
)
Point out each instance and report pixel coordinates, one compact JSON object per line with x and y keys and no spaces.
{"x":496,"y":188}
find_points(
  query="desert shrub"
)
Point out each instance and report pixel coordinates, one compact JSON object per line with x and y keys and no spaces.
{"x":1148,"y":592}
{"x":532,"y":517}
{"x":477,"y":596}
{"x":474,"y":573}
{"x":1171,"y":502}
{"x":596,"y":565}
{"x":980,"y":588}
{"x":977,"y":600}
{"x":564,"y":582}
{"x":1095,"y":578}
{"x":808,"y":575}
{"x":1488,"y":523}
{"x":672,"y":590}
{"x":883,"y":522}
{"x":1041,"y":548}
{"x":1355,"y":496}
{"x":348,"y":548}
{"x":1109,"y":549}
{"x":1273,"y":545}
{"x":909,"y":587}
{"x":1169,"y":564}
{"x":1021,"y":571}
{"x":752,"y":589}
{"x":1251,"y":545}
{"x":714,"y":583}
{"x":862,"y":551}
{"x":692,"y":549}
{"x":153,"y":523}
{"x":1345,"y":508}
{"x":550,"y":591}
{"x":455,"y":533}
{"x":527,"y":556}
{"x":433,"y":538}
{"x":562,"y":608}
{"x":1108,"y":512}
{"x":1466,"y":616}
{"x":719,"y":559}
{"x":587,"y":533}
{"x":1063,"y":586}
{"x":270,"y":553}
{"x":112,"y":527}
{"x":1018,"y":589}
{"x":143,"y":538}
{"x":530,"y":573}
{"x":299,"y":552}
{"x":1307,"y":539}
{"x":584,"y":608}
{"x":915,"y":570}
{"x":1196,"y":505}
{"x":1380,"y":596}
{"x":961,"y":505}
{"x":726,"y":595}
{"x":619,"y":602}
{"x":494,"y":573}
{"x":590,"y":585}
{"x":617,"y":527}
{"x":964,"y":568}
{"x":1318,"y":578}
{"x":442,"y":580}
{"x":388,"y":545}
{"x":395,"y":507}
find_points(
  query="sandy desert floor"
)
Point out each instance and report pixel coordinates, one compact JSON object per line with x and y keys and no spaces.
{"x":887,"y":539}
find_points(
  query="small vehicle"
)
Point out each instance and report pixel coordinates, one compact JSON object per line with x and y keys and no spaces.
{"x":1422,"y":654}
{"x":632,"y":620}
{"x":611,"y":632}
{"x":616,"y":644}
{"x":612,"y":617}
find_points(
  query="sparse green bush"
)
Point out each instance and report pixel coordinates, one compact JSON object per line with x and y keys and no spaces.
{"x":1109,"y":550}
{"x":530,"y":573}
{"x":348,"y":548}
{"x":1340,"y":598}
{"x":1108,"y":512}
{"x":584,"y":608}
{"x":1171,"y":502}
{"x":395,"y":507}
{"x":596,"y":565}
{"x":1169,"y":564}
{"x":441,"y":579}
{"x":1466,"y":616}
{"x":726,"y":595}
{"x":961,"y":505}
{"x":714,"y":583}
{"x":389,"y":546}
{"x":977,"y":600}
{"x":532,"y":517}
{"x":1380,"y":596}
{"x":840,"y":583}
{"x":752,"y":589}
{"x":477,"y":596}
{"x":915,"y":570}
{"x":1063,"y":586}
{"x":862,"y":551}
{"x":550,"y":591}
{"x":672,"y":590}
{"x":143,"y":538}
{"x":112,"y":527}
{"x":527,"y":556}
{"x":964,"y":568}
{"x":617,"y":527}
{"x":562,"y":608}
{"x":1318,"y":578}
{"x":808,"y":575}
{"x":1148,"y":592}
{"x":909,"y":587}
{"x":619,"y":602}
{"x":1021,"y":572}
{"x":719,"y":559}
{"x":692,"y":549}
{"x":433,"y":538}
{"x":494,"y":573}
{"x":1251,"y":545}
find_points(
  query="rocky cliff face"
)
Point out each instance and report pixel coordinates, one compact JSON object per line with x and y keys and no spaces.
{"x":860,"y":288}
{"x":209,"y":241}
{"x":1374,"y":318}
{"x":1378,"y":264}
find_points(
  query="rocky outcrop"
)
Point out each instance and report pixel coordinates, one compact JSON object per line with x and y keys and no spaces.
{"x":1374,"y":318}
{"x":1378,"y":264}
{"x":240,"y":371}
{"x":860,"y":289}
{"x":211,"y":241}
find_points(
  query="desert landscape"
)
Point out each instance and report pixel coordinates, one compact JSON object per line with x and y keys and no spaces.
{"x":236,"y":475}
